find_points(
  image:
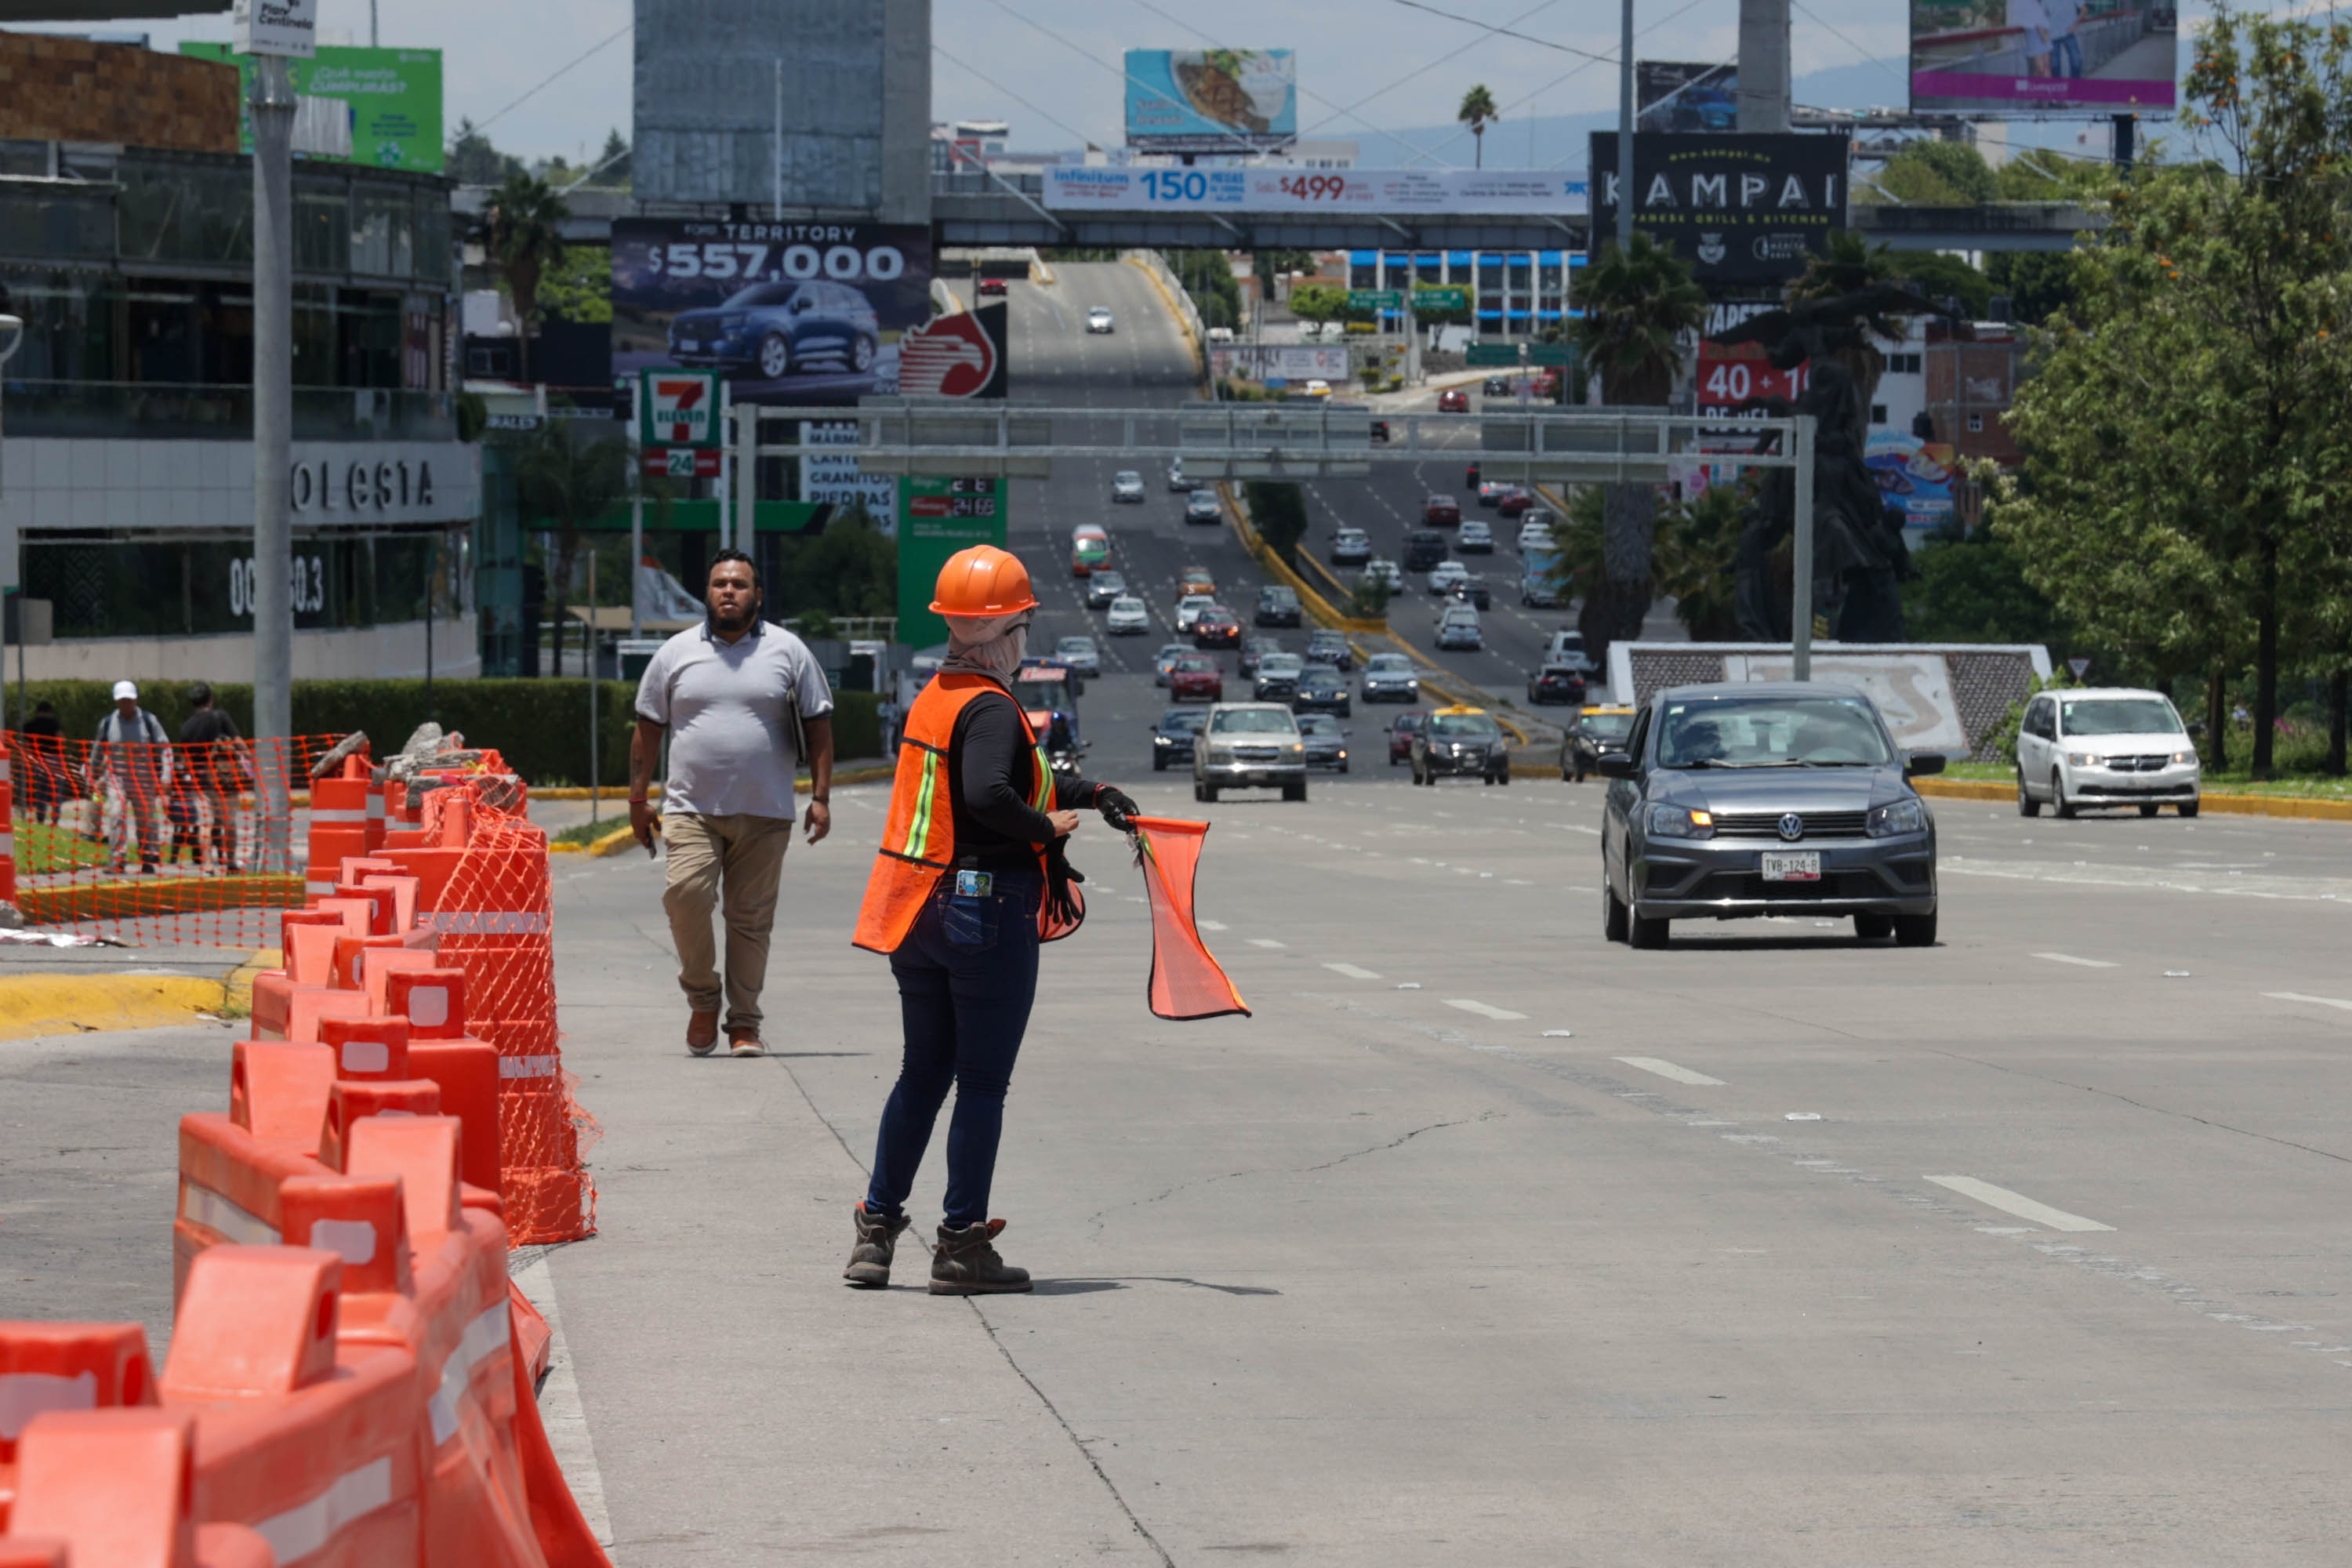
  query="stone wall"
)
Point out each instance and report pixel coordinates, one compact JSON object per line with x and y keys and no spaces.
{"x":67,"y":90}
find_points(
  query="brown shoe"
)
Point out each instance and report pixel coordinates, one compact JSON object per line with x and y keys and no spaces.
{"x":877,"y":1239}
{"x":966,"y":1263}
{"x":745,"y":1045}
{"x":701,"y":1031}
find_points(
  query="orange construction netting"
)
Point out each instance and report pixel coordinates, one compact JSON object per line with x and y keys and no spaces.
{"x":145,"y":843}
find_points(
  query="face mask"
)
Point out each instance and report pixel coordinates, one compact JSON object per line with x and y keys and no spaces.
{"x":998,"y":656}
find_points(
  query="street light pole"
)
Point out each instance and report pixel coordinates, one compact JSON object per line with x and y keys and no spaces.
{"x":1800,"y":588}
{"x":1625,"y":131}
{"x":272,"y":107}
{"x":11,"y":334}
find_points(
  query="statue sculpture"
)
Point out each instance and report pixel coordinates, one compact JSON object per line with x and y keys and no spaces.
{"x":1859,"y":558}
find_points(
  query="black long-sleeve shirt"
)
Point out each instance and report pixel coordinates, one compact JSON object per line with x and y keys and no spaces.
{"x":991,"y":764}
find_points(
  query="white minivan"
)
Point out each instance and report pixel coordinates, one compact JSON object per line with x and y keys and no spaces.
{"x":2102,"y":746}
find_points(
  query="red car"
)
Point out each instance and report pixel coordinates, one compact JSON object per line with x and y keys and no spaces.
{"x":1515,"y":501}
{"x":1454,"y":400}
{"x":1195,"y":676}
{"x":989,"y":286}
{"x":1401,"y":731}
{"x":1441,"y":511}
{"x":1217,"y":628}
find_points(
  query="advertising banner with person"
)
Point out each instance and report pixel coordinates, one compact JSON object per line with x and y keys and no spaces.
{"x":1515,"y":193}
{"x":394,"y":96}
{"x":1914,"y":477}
{"x":1211,"y":101}
{"x":1739,"y":209}
{"x":808,"y":313}
{"x":2027,"y":56}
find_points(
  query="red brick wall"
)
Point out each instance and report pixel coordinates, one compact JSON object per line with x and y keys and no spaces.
{"x":64,"y":90}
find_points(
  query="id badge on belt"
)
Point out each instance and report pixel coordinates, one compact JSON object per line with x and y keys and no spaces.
{"x":974,"y":884}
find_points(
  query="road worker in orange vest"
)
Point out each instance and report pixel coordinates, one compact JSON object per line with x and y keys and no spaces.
{"x":970,"y":880}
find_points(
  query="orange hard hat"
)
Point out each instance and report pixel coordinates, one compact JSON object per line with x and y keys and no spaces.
{"x":983,"y":581}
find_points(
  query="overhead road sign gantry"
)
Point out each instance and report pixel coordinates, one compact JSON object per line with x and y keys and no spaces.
{"x":1376,"y":298}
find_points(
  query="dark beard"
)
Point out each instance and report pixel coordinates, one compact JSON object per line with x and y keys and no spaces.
{"x":723,"y":626}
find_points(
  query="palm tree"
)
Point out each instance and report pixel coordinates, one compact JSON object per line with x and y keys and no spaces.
{"x":521,"y":229}
{"x":1478,"y":108}
{"x":1851,"y":265}
{"x":1639,"y":304}
{"x":570,"y":484}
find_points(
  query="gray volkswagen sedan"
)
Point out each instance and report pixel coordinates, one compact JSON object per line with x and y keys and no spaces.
{"x":1740,"y":800}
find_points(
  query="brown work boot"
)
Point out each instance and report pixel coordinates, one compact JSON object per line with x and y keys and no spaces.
{"x":877,"y":1239}
{"x":701,"y":1031}
{"x":966,"y":1263}
{"x":746,"y":1046}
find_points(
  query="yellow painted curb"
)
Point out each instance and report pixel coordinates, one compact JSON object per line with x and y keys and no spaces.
{"x":1040,"y":272}
{"x":238,"y":1001}
{"x":1174,"y":315}
{"x":32,"y":1005}
{"x":612,"y":842}
{"x":2278,"y":805}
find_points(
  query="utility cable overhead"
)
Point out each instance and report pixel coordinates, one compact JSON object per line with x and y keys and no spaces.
{"x":1877,"y":60}
{"x":1241,"y":142}
{"x":1506,"y":31}
{"x":1423,"y":68}
{"x":1046,"y":115}
{"x":615,"y":36}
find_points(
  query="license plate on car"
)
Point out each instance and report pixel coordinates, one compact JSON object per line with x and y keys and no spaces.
{"x":1801,"y":866}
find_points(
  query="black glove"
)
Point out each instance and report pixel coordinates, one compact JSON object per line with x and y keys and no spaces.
{"x":1117,"y":808}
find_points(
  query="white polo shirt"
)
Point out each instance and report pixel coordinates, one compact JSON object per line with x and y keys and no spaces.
{"x":728,"y":708}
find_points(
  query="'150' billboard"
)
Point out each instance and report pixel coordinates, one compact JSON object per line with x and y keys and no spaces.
{"x":809,"y":313}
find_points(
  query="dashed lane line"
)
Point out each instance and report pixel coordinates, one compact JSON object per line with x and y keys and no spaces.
{"x":2016,"y":1203}
{"x":1484,"y":1009}
{"x":1266,"y":942}
{"x":2080,"y":962}
{"x":2314,"y":1001}
{"x":1352,"y":972}
{"x":1665,"y":1068}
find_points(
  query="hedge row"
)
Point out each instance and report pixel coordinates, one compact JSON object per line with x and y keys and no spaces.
{"x":540,"y":727}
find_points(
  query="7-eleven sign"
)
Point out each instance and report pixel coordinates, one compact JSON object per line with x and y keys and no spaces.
{"x":678,"y":408}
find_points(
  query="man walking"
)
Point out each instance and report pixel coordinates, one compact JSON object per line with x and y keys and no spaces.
{"x":744,"y":704}
{"x":210,"y":770}
{"x":131,"y":759}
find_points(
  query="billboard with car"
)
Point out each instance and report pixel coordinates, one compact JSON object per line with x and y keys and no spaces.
{"x":793,"y":312}
{"x":1211,"y":101}
{"x":2029,"y":57}
{"x":1738,"y":209}
{"x":1685,"y":96}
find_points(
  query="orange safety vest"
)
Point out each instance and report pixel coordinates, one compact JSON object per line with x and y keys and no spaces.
{"x":919,"y":844}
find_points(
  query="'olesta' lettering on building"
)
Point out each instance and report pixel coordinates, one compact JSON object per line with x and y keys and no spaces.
{"x":361,"y":486}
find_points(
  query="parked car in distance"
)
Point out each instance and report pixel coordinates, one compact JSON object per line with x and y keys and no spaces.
{"x":1323,"y":690}
{"x":1089,"y":548}
{"x":1080,"y":654}
{"x":1461,"y":742}
{"x":1098,"y":320}
{"x":1327,"y":743}
{"x":1127,"y":485}
{"x":1476,"y":538}
{"x":775,"y":329}
{"x":1196,"y":678}
{"x":1381,"y":569}
{"x":1742,"y":799}
{"x":1460,"y":630}
{"x":1164,"y":662}
{"x":1217,"y":628}
{"x":1401,"y":730}
{"x":1129,"y":616}
{"x":1440,"y":511}
{"x":1277,"y":680}
{"x":1277,"y":606}
{"x":1390,"y":678}
{"x":1171,"y":739}
{"x":1350,"y":547}
{"x":1454,"y":400}
{"x":1556,"y":683}
{"x":1594,"y":733}
{"x":1328,"y":645}
{"x":992,"y":288}
{"x":1104,"y":586}
{"x":1423,"y":548}
{"x":1189,"y":611}
{"x":1201,"y":506}
{"x":1249,"y":745}
{"x":1445,"y":575}
{"x":2102,"y":746}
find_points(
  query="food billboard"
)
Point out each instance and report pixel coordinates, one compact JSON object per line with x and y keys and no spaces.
{"x":791,"y":313}
{"x":2029,"y":57}
{"x":1211,"y":101}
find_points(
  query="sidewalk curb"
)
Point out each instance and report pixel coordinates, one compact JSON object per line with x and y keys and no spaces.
{"x":35,"y":1005}
{"x":2276,"y":806}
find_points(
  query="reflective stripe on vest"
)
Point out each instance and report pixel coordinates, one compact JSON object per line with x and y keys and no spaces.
{"x":919,"y":843}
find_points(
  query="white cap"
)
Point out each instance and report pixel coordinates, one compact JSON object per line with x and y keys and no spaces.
{"x":123,"y":688}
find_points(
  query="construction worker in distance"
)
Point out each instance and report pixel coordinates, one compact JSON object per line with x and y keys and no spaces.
{"x":970,"y":880}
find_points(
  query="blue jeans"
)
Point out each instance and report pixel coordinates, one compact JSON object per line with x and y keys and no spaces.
{"x":967,"y":974}
{"x":2067,"y":56}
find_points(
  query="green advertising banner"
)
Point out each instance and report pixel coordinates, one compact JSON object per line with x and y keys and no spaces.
{"x":938,"y":517}
{"x":395,"y":94}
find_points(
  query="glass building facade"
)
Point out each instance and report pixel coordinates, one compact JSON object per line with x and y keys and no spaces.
{"x":1514,"y":293}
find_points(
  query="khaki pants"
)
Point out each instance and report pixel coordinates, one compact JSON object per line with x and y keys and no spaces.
{"x":735,"y":863}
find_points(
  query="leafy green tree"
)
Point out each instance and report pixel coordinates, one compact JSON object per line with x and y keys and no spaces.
{"x":1318,"y":302}
{"x":2038,"y":283}
{"x":2188,"y":485}
{"x":1478,"y":112}
{"x":1931,"y":173}
{"x":1696,"y":561}
{"x":1971,"y":587}
{"x":580,"y":289}
{"x":1208,"y":278}
{"x":2039,"y":174}
{"x":474,"y":162}
{"x":849,"y":570}
{"x":1278,"y":511}
{"x":522,"y":228}
{"x":1850,"y":265}
{"x":568,"y":484}
{"x":612,"y":163}
{"x":1940,"y":276}
{"x":1640,"y":306}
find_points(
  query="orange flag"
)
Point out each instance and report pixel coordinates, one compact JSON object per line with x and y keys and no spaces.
{"x":1186,"y":981}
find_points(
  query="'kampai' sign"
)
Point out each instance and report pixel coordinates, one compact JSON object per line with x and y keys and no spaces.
{"x":1739,"y":209}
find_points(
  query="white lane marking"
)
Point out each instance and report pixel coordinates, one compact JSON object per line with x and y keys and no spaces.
{"x":1353,"y":971}
{"x":1484,"y":1009}
{"x":2315,"y":1000}
{"x":2070,"y":958}
{"x":1213,"y":925}
{"x":2017,"y":1203}
{"x":1266,"y":942}
{"x":1667,"y":1069}
{"x":559,"y":1410}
